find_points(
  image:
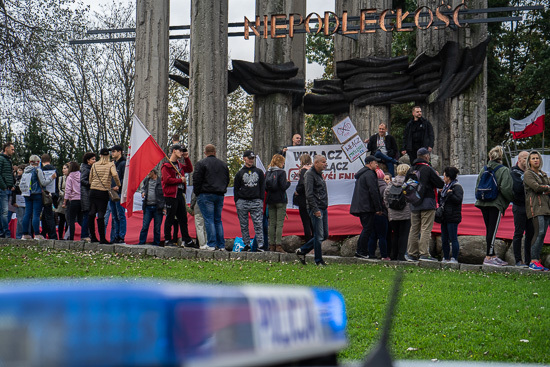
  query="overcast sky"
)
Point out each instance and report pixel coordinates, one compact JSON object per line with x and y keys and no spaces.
{"x":239,"y":48}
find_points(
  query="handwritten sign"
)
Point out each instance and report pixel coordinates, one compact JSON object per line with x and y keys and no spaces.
{"x":354,"y":148}
{"x":344,"y":130}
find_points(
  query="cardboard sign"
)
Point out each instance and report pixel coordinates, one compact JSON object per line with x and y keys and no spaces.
{"x":354,"y":148}
{"x":344,"y":130}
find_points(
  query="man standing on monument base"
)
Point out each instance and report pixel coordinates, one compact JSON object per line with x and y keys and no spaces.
{"x":419,"y":133}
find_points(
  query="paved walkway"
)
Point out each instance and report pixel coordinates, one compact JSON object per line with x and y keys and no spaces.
{"x":193,"y":254}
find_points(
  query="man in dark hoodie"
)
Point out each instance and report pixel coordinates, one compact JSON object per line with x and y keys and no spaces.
{"x":366,"y":202}
{"x":418,"y":133}
{"x":118,"y":213}
{"x":6,"y":187}
{"x":249,"y":189}
{"x":423,"y":214}
{"x":521,"y":223}
{"x":48,"y":220}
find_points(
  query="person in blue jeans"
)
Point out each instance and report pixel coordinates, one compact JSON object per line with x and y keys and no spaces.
{"x":118,"y":213}
{"x":7,"y":183}
{"x":384,"y":147}
{"x":153,"y":207}
{"x":317,"y":204}
{"x":450,"y":197}
{"x":210,"y":181}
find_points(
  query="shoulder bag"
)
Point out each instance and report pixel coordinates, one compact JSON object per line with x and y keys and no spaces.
{"x":113,"y":195}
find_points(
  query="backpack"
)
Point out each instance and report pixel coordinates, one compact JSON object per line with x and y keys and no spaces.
{"x":411,"y":188}
{"x":487,"y":188}
{"x":271,"y":181}
{"x":396,"y":199}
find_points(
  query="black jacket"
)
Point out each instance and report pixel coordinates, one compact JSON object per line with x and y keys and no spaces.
{"x":366,"y":194}
{"x":85,"y":169}
{"x":277,"y":194}
{"x":316,"y":190}
{"x":249,"y":184}
{"x":391,"y":145}
{"x":427,"y":132}
{"x":429,"y":181}
{"x":120,"y":168}
{"x":159,"y":195}
{"x":519,"y":189}
{"x":211,"y":176}
{"x":7,"y":180}
{"x":299,"y":199}
{"x":452,"y":203}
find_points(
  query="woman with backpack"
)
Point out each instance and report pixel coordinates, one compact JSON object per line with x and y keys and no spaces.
{"x":450,"y":198}
{"x":275,"y":187}
{"x":31,"y":184}
{"x":300,"y":196}
{"x":493,"y":200}
{"x":100,"y":182}
{"x":537,"y":205}
{"x":399,"y":214}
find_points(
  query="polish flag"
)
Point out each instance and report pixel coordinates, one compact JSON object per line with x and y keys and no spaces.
{"x":144,"y":154}
{"x":529,"y":126}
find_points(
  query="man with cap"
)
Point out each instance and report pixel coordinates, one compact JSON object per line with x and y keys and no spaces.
{"x":418,"y":133}
{"x":118,"y":213}
{"x":423,"y":214}
{"x":174,"y":187}
{"x":249,"y":189}
{"x":366,"y":202}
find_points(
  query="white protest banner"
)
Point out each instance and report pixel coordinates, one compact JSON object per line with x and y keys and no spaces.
{"x":354,"y":148}
{"x":47,"y":175}
{"x":344,"y":130}
{"x":339,"y":167}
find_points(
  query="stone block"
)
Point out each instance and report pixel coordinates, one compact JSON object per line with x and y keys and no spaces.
{"x":255,"y":256}
{"x":429,"y":264}
{"x":330,"y":248}
{"x":470,"y":267}
{"x":156,"y":251}
{"x":495,"y":269}
{"x":450,"y":266}
{"x":274,"y":257}
{"x":292,"y":243}
{"x":61,"y":245}
{"x":205,"y":255}
{"x":76,"y":245}
{"x":169,"y":252}
{"x":288,"y":258}
{"x":190,"y":254}
{"x":107,"y":249}
{"x":91,"y":246}
{"x":238,"y":255}
{"x":221,"y":255}
{"x":229,"y":244}
{"x":349,"y":247}
{"x":131,"y":250}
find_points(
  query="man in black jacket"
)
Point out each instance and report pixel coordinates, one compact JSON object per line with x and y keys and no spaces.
{"x":210,"y":181}
{"x":118,"y":213}
{"x":423,"y":214}
{"x":366,"y":202}
{"x":384,"y":147}
{"x":418,"y":133}
{"x":7,"y":183}
{"x":248,"y":192}
{"x":521,"y":222}
{"x":48,"y":219}
{"x":317,"y":204}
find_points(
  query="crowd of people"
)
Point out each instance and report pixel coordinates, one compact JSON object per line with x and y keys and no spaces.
{"x":397,"y":207}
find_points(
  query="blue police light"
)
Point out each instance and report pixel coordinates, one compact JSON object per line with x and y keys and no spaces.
{"x":141,"y":323}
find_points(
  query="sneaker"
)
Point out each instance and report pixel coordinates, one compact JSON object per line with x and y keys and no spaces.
{"x":39,"y":237}
{"x":536,"y":266}
{"x":301,"y":256}
{"x":361,"y":256}
{"x":521,"y":264}
{"x":491,"y":262}
{"x":427,"y":258}
{"x":221,"y":249}
{"x":501,"y":262}
{"x":385,"y":259}
{"x":206,"y":247}
{"x":170,"y":243}
{"x":26,"y":237}
{"x":86,"y":239}
{"x":321,"y":263}
{"x":411,"y":258}
{"x":445,"y":261}
{"x":191,"y":244}
{"x":453,"y":261}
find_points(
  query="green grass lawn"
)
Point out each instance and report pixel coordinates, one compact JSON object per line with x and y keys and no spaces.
{"x":442,"y":314}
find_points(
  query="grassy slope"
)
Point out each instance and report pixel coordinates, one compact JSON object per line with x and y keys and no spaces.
{"x":442,"y":314}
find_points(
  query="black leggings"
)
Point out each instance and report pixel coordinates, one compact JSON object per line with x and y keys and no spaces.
{"x":75,"y":213}
{"x":98,"y":205}
{"x":306,"y":222}
{"x":491,"y":217}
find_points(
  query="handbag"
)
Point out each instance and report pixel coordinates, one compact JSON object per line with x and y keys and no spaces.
{"x":113,"y":195}
{"x":439,"y":214}
{"x":46,"y":198}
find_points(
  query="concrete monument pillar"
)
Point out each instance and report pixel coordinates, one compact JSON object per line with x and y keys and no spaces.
{"x":275,"y":121}
{"x":152,"y":58}
{"x":208,"y":77}
{"x":366,"y":119}
{"x":460,"y":123}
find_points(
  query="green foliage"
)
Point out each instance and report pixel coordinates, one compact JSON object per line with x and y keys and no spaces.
{"x":320,"y":49}
{"x":239,"y":129}
{"x":442,"y":314}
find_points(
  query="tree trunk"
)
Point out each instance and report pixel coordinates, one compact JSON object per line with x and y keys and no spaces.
{"x":365,"y":119}
{"x":208,"y":79}
{"x":152,"y":57}
{"x":460,"y":123}
{"x":274,"y":119}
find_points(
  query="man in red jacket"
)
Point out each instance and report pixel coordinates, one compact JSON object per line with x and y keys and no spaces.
{"x":173,"y":188}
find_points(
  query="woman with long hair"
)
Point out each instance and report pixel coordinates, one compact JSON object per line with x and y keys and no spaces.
{"x":275,"y":186}
{"x":537,"y":205}
{"x":101,"y":174}
{"x":450,"y":197}
{"x":60,"y":209}
{"x":300,"y":196}
{"x":494,"y":209}
{"x":72,"y":199}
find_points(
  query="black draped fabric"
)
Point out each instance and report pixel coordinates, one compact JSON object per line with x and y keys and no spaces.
{"x":183,"y":66}
{"x":261,"y":78}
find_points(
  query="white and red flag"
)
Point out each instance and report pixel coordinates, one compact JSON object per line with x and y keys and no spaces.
{"x":529,"y":126}
{"x":144,"y":154}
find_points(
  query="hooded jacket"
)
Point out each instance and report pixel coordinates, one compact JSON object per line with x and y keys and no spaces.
{"x":278,"y":194}
{"x":170,"y":179}
{"x":38,"y":180}
{"x":366,"y":195}
{"x":249,"y":184}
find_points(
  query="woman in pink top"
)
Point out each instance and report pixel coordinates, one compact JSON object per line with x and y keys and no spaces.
{"x":72,"y":197}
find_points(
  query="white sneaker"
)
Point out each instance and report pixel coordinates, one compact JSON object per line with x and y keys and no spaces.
{"x":26,"y":237}
{"x":39,"y":237}
{"x":453,"y":261}
{"x":206,"y":247}
{"x":445,"y":261}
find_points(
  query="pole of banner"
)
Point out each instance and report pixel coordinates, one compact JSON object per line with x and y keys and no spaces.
{"x":542,"y":141}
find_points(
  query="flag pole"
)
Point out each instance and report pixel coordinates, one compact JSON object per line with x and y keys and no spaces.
{"x":543,"y":142}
